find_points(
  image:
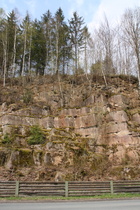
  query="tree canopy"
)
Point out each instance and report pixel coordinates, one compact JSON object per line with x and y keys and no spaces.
{"x":53,"y":45}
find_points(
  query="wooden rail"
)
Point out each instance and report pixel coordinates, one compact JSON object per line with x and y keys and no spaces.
{"x":16,"y":188}
{"x":7,"y":188}
{"x":42,"y":188}
{"x":126,"y":186}
{"x":88,"y":188}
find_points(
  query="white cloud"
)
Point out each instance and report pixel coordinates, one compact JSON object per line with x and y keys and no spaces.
{"x":12,"y":1}
{"x":31,"y":6}
{"x":79,"y":3}
{"x":112,"y":9}
{"x":76,"y":5}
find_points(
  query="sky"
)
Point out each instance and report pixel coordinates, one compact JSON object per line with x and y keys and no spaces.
{"x":92,"y":11}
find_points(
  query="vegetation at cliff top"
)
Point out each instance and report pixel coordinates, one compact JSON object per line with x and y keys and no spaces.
{"x":54,"y":46}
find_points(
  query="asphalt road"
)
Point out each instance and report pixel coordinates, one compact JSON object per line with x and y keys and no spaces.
{"x":87,"y":205}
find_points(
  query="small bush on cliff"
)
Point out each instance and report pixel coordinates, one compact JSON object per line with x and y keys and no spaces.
{"x":27,"y":96}
{"x":6,"y":139}
{"x":36,"y":136}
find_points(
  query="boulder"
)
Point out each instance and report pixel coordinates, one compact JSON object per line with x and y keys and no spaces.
{"x":119,"y":101}
{"x":117,"y":116}
{"x":136,"y":118}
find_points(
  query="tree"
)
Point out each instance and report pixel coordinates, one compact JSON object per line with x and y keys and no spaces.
{"x":38,"y":48}
{"x":76,"y":34}
{"x":3,"y":37}
{"x":47,"y":22}
{"x":123,"y":55}
{"x":2,"y":18}
{"x":86,"y":35}
{"x":106,"y":36}
{"x":12,"y":31}
{"x":98,"y":67}
{"x":65,"y":48}
{"x":26,"y":36}
{"x":62,"y":44}
{"x":131,"y":34}
{"x":59,"y":18}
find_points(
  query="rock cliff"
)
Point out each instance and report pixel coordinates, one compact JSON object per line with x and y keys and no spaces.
{"x":71,"y":130}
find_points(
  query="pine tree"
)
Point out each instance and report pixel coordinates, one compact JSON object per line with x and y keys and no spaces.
{"x":3,"y":41}
{"x":12,"y":31}
{"x":38,"y":48}
{"x":26,"y":39}
{"x":48,"y":36}
{"x":2,"y":20}
{"x":77,"y":38}
{"x":59,"y":44}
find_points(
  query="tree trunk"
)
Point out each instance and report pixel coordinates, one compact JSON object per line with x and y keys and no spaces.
{"x":29,"y":59}
{"x":14,"y":54}
{"x":24,"y":52}
{"x":5,"y":57}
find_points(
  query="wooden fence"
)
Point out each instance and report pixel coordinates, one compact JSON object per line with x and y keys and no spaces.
{"x":16,"y":188}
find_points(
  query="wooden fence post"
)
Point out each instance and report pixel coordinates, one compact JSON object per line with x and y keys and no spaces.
{"x":111,"y":187}
{"x":66,"y":189}
{"x":17,"y":189}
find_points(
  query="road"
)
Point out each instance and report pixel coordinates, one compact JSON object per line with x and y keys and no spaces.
{"x":87,"y":205}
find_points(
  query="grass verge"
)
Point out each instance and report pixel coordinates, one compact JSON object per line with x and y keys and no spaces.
{"x":96,"y":197}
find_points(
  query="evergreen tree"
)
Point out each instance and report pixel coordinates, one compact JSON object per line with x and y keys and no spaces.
{"x":26,"y":39}
{"x":3,"y":44}
{"x":38,"y":48}
{"x":12,"y":31}
{"x":76,"y":25}
{"x":58,"y":47}
{"x":59,"y":35}
{"x":2,"y":14}
{"x":47,"y":21}
{"x":66,"y":49}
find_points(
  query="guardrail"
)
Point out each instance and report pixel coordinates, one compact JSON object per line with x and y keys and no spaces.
{"x":67,"y":189}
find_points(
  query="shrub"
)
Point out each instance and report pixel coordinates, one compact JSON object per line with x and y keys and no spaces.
{"x":27,"y":96}
{"x":6,"y":139}
{"x":36,"y":136}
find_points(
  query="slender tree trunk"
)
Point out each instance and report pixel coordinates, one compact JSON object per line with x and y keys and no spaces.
{"x":5,"y":57}
{"x":14,"y":53}
{"x":76,"y":58}
{"x":137,"y":52}
{"x":47,"y":58}
{"x":57,"y":50}
{"x":138,"y":61}
{"x":24,"y":52}
{"x":86,"y":64}
{"x":85,"y":60}
{"x":5,"y":63}
{"x":29,"y":59}
{"x":103,"y":72}
{"x":51,"y":54}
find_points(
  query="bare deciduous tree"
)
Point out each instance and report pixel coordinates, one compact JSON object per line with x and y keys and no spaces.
{"x":106,"y":36}
{"x":131,"y":33}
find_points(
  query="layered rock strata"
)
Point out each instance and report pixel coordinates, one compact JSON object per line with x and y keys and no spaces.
{"x":91,"y":138}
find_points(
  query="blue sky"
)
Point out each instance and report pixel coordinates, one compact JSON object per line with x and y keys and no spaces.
{"x":91,"y":10}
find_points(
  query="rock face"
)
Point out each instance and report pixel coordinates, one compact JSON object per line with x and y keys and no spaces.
{"x":88,"y":135}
